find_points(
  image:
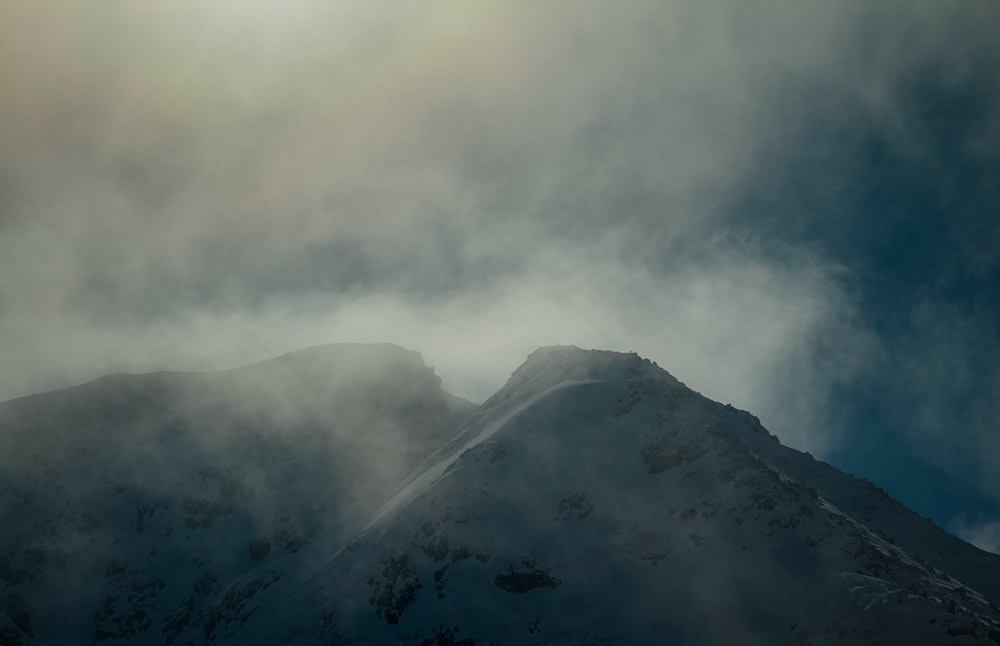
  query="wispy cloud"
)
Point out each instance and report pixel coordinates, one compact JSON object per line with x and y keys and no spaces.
{"x":983,"y":534}
{"x":194,"y":186}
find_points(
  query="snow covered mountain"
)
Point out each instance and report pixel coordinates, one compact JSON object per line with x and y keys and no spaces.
{"x":133,"y":496}
{"x":593,"y":499}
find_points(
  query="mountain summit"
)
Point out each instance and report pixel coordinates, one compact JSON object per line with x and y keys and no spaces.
{"x":593,"y":499}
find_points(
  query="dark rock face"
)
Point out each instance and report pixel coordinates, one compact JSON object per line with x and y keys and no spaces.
{"x":14,"y":606}
{"x":528,"y":577}
{"x":131,"y":601}
{"x":259,"y":548}
{"x":396,"y":589}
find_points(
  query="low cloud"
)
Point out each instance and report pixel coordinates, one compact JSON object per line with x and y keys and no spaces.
{"x":984,"y":534}
{"x":948,"y":389}
{"x":737,"y":329}
{"x":192,"y":187}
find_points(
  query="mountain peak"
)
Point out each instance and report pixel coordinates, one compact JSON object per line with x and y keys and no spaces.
{"x":363,"y":357}
{"x":549,"y":366}
{"x":323,"y":369}
{"x":593,"y":473}
{"x":593,"y":499}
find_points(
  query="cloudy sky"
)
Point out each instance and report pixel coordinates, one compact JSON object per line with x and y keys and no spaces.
{"x":793,"y":209}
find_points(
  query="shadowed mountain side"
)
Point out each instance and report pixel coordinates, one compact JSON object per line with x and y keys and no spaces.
{"x":134,"y":495}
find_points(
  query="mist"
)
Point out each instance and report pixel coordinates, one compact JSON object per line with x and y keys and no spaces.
{"x":196,"y":187}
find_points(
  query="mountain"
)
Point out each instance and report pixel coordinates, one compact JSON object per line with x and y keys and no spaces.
{"x":132,"y":495}
{"x":593,"y":499}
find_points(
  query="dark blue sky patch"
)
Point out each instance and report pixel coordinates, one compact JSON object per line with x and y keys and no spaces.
{"x":912,"y":214}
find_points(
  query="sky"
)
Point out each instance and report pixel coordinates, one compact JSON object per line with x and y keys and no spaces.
{"x":792,"y":208}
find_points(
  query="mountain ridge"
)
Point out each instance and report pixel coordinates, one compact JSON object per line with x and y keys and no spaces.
{"x":554,"y":373}
{"x":594,"y":498}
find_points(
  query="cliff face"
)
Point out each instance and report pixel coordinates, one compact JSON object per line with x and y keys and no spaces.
{"x":593,"y":499}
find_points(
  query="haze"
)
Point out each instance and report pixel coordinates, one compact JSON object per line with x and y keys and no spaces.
{"x":792,"y":209}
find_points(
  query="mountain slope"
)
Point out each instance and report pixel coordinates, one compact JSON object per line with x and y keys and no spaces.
{"x":133,"y":503}
{"x":593,"y":499}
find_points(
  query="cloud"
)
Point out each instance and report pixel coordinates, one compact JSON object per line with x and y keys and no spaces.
{"x":983,"y":534}
{"x":190,"y":186}
{"x":948,"y":388}
{"x":735,"y":328}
